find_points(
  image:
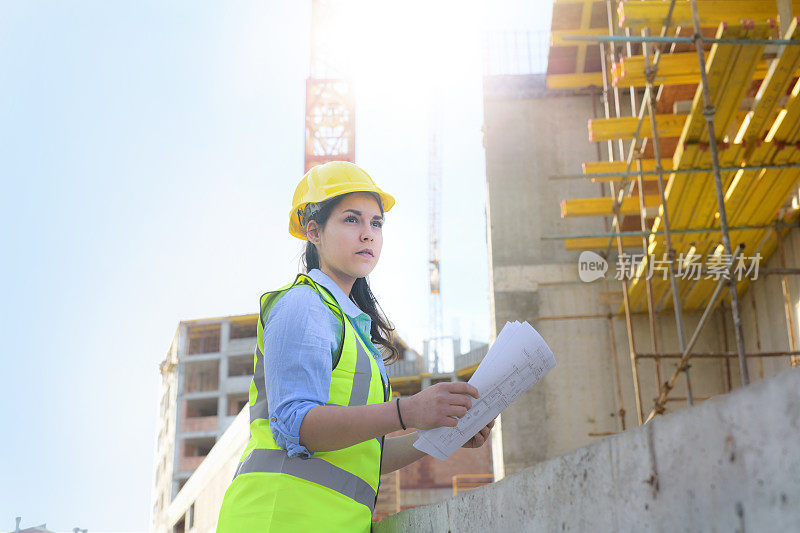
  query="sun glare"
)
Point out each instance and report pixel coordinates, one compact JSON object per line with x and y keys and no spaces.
{"x":412,"y":49}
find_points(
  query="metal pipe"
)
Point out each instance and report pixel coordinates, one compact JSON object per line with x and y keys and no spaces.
{"x":787,"y":299}
{"x":617,"y":380}
{"x":639,"y":233}
{"x":670,"y":171}
{"x":708,"y":113}
{"x":678,"y":40}
{"x":676,"y":300}
{"x":683,"y":399}
{"x":758,"y":335}
{"x":686,"y":353}
{"x":612,"y":54}
{"x":606,"y":103}
{"x":640,"y":116}
{"x":728,"y":384}
{"x":571,"y":317}
{"x":616,"y":226}
{"x":648,"y":281}
{"x":711,"y":355}
{"x":629,"y":323}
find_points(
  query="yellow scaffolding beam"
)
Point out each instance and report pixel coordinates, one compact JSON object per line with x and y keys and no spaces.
{"x":600,"y":243}
{"x":673,"y":69}
{"x":648,"y":165}
{"x":651,"y":13}
{"x":590,"y":207}
{"x":607,"y":129}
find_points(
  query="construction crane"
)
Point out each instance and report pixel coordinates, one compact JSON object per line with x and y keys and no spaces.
{"x":330,"y":132}
{"x":434,"y":222}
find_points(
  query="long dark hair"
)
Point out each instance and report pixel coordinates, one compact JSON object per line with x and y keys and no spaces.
{"x":381,"y":331}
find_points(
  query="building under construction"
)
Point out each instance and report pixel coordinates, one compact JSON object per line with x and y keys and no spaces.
{"x":697,"y":231}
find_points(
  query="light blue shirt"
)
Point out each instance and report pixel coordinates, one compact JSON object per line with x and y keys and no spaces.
{"x":300,"y":337}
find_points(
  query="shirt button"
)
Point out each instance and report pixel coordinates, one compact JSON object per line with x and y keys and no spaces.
{"x":274,"y":418}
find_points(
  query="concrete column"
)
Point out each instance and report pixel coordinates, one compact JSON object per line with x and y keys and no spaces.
{"x":222,"y":407}
{"x":224,"y":335}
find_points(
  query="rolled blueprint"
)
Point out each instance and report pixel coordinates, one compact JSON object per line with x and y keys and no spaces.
{"x":518,"y":358}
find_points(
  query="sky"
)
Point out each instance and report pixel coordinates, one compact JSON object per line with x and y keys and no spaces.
{"x":148,"y":155}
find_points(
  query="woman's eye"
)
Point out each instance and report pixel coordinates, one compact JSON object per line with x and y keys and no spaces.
{"x":377,"y":224}
{"x":351,"y":218}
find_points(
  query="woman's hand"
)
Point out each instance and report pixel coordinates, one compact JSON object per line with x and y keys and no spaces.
{"x":480,"y":437}
{"x":439,"y":405}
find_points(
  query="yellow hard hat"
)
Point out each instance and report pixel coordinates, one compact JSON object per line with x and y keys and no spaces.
{"x":323,"y":182}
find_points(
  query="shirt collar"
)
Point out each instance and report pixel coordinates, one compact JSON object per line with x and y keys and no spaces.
{"x":347,"y":305}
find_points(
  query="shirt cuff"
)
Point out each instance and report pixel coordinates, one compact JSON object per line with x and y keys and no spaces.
{"x":286,"y":432}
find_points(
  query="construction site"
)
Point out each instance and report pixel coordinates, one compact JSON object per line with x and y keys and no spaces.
{"x":642,"y":214}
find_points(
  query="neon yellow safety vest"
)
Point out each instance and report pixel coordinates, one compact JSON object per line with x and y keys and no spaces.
{"x":331,"y":491}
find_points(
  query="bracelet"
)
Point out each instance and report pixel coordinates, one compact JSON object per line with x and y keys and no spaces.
{"x":397,"y":403}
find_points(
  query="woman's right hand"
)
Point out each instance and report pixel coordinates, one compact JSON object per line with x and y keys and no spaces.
{"x":438,"y":405}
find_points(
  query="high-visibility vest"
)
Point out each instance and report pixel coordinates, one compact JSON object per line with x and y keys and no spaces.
{"x":331,"y":491}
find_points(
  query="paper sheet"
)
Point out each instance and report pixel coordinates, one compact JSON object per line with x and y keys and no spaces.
{"x":518,"y":358}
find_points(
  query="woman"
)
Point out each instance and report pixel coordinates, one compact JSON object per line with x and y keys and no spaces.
{"x":320,"y":398}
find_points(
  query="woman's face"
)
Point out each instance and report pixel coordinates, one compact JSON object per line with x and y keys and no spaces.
{"x":351,"y":241}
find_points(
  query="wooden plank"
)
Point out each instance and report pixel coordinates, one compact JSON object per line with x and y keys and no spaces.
{"x":574,"y":81}
{"x":673,"y":69}
{"x":600,"y":243}
{"x":605,"y":129}
{"x":586,"y":16}
{"x":648,"y":165}
{"x":776,"y":83}
{"x":651,"y":13}
{"x":587,"y":207}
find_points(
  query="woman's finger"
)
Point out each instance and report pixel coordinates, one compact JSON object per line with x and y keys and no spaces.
{"x":457,"y":411}
{"x":460,"y":399}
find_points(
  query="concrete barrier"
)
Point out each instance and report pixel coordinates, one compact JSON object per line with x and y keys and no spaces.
{"x":728,"y":464}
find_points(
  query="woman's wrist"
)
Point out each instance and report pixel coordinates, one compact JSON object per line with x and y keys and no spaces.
{"x":399,"y":414}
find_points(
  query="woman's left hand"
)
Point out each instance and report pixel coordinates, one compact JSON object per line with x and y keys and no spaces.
{"x":480,"y":437}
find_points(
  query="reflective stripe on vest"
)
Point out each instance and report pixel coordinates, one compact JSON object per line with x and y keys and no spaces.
{"x":315,"y":470}
{"x":361,"y":377}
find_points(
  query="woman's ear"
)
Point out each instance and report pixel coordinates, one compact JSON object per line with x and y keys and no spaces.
{"x":312,"y":232}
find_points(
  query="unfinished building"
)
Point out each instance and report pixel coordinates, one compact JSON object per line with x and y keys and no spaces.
{"x":205,"y":379}
{"x":681,"y":221}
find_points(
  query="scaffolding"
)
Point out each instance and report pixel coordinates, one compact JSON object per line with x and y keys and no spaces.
{"x":742,"y":151}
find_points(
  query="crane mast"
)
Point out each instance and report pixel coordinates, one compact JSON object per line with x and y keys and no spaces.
{"x":330,"y":129}
{"x":434,"y":222}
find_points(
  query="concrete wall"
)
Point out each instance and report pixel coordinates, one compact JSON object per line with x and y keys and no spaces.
{"x":532,"y":134}
{"x":729,"y":464}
